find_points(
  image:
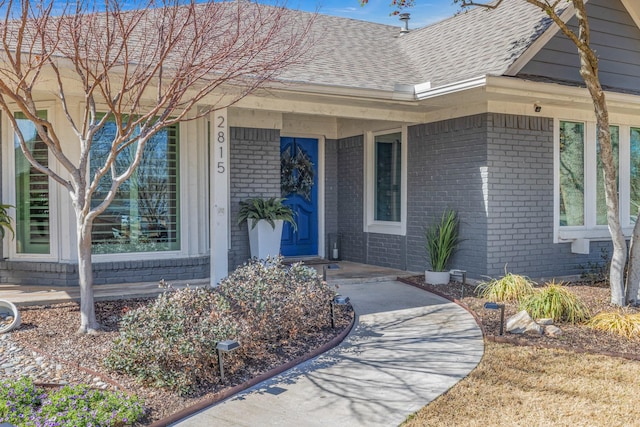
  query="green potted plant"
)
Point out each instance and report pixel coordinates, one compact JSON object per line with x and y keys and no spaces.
{"x":265,"y":218}
{"x":441,"y":243}
{"x":5,"y":221}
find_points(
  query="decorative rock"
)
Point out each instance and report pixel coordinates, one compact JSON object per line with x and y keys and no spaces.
{"x":552,"y":331}
{"x":16,"y":362}
{"x":544,"y":322}
{"x":522,"y":323}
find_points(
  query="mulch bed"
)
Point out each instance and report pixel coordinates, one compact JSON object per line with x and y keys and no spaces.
{"x":51,"y":331}
{"x":579,"y":338}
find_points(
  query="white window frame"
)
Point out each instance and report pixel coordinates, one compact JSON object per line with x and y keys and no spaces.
{"x":182,"y":189}
{"x":9,"y":190}
{"x":370,"y":224}
{"x":591,"y":230}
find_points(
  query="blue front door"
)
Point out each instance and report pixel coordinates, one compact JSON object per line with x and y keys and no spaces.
{"x":298,"y":182}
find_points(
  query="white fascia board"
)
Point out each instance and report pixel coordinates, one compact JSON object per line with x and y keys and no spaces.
{"x":633,"y":7}
{"x":400,"y":92}
{"x":555,"y":91}
{"x":425,"y":91}
{"x":540,"y":42}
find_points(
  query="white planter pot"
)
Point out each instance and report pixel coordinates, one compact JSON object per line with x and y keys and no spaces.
{"x":264,"y":240}
{"x":436,"y":277}
{"x":9,"y":316}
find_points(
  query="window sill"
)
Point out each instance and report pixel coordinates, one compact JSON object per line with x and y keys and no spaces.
{"x":380,"y":227}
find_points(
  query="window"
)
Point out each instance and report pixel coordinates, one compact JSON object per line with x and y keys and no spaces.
{"x":601,"y":206}
{"x":634,"y":199}
{"x":33,"y":231}
{"x":386,"y":182}
{"x":581,"y":206}
{"x":571,"y":173}
{"x":388,"y":176}
{"x":143,"y":217}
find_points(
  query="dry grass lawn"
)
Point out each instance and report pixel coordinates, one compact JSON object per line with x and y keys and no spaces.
{"x":527,"y":386}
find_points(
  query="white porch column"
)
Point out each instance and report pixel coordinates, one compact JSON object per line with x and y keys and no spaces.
{"x":219,"y":197}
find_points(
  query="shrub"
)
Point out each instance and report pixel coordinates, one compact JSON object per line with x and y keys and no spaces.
{"x":442,"y":240}
{"x":556,"y":302}
{"x":511,"y":287}
{"x":597,"y":272}
{"x":618,"y":322}
{"x":171,"y":343}
{"x":24,"y":404}
{"x":275,"y":302}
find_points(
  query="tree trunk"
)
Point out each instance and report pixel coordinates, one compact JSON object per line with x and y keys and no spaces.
{"x":88,"y":323}
{"x":633,"y":274}
{"x":619,"y":257}
{"x":589,"y":72}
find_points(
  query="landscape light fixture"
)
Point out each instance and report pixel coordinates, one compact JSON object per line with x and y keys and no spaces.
{"x":226,"y":346}
{"x":328,"y":267}
{"x":463,"y":275}
{"x":496,"y":306}
{"x":337,"y":300}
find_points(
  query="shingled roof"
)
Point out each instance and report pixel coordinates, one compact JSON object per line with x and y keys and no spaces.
{"x":479,"y":42}
{"x":475,"y":43}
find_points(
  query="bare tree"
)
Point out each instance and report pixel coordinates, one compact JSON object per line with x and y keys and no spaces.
{"x":589,"y":73}
{"x":144,"y":68}
{"x":621,"y":292}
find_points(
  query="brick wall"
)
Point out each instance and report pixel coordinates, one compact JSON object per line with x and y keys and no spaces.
{"x":447,"y":168}
{"x":386,"y":250}
{"x":520,"y":221}
{"x":350,"y":198}
{"x":63,"y":274}
{"x":330,"y":191}
{"x":255,"y":172}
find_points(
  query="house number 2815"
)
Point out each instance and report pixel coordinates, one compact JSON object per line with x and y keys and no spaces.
{"x":221,"y":139}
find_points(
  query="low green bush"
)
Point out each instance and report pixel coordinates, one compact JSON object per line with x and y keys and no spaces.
{"x":24,"y":404}
{"x":555,"y":301}
{"x":511,"y":287}
{"x":619,"y":322}
{"x":273,"y":302}
{"x":171,"y":343}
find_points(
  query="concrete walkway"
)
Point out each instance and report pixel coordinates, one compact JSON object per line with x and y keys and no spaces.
{"x":407,"y":348}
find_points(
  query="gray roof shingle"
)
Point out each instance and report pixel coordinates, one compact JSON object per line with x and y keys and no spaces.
{"x":355,"y":54}
{"x":358,"y":54}
{"x":475,"y":43}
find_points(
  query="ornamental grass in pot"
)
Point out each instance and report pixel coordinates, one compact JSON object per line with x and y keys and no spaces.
{"x":441,"y":243}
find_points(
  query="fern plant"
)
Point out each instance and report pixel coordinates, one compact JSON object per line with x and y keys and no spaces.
{"x":270,"y":210}
{"x":442,"y":240}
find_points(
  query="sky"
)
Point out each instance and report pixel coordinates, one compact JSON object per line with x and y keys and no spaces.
{"x":423,"y":13}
